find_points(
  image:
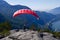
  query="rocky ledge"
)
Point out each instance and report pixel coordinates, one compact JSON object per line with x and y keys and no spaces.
{"x":29,"y":35}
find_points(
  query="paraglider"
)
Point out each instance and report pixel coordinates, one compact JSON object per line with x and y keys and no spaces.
{"x":25,"y":11}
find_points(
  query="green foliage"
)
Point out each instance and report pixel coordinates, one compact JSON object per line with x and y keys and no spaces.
{"x":5,"y":33}
{"x":33,"y":27}
{"x":39,"y":30}
{"x":56,"y":34}
{"x":5,"y":28}
{"x":47,"y":30}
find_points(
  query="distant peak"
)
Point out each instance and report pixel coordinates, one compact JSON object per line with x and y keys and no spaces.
{"x":3,"y":2}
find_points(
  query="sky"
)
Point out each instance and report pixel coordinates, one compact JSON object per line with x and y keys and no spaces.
{"x":42,"y":5}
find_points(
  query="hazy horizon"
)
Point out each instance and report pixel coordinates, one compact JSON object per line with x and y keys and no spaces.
{"x":42,"y":5}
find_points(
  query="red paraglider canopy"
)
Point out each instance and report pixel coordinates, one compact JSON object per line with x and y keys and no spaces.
{"x":25,"y":11}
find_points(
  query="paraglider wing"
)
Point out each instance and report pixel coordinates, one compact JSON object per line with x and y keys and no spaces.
{"x":25,"y":11}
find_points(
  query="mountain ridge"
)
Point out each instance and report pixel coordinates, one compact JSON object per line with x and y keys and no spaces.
{"x":55,"y":11}
{"x":8,"y":10}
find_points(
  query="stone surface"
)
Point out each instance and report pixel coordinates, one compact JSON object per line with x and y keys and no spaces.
{"x":29,"y":35}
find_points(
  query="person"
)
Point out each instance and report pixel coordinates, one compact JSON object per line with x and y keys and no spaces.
{"x":24,"y":27}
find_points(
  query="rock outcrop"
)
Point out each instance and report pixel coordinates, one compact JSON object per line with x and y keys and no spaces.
{"x":29,"y":35}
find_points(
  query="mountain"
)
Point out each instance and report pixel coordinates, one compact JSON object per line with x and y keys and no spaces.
{"x":55,"y":11}
{"x":56,"y":23}
{"x":8,"y":10}
{"x":45,"y":16}
{"x":2,"y":18}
